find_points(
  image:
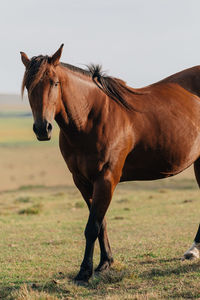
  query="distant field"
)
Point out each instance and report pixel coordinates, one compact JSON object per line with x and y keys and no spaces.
{"x":42,"y":219}
{"x":24,"y":160}
{"x":16,"y":129}
{"x":11,"y":102}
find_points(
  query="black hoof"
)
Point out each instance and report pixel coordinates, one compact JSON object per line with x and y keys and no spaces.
{"x":83,"y":277}
{"x":80,"y":282}
{"x":104,"y":266}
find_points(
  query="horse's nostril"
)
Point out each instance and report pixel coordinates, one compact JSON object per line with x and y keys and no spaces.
{"x":42,"y":130}
{"x":49,"y":127}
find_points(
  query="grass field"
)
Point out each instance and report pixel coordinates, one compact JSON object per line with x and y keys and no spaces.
{"x":42,"y":219}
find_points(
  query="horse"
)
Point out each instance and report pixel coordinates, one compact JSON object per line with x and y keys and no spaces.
{"x":110,"y":133}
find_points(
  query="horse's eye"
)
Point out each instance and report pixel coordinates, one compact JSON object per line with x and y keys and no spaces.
{"x":56,"y":83}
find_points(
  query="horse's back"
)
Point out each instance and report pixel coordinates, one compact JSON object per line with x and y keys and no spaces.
{"x":189,"y":79}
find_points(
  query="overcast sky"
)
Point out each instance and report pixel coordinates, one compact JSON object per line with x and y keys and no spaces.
{"x":140,"y":41}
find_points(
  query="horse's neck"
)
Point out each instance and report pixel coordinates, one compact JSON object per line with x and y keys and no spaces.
{"x":77,"y":99}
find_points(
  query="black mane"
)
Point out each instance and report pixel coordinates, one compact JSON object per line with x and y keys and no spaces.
{"x":113,"y":87}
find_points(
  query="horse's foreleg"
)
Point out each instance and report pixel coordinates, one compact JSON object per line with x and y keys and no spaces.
{"x":106,"y":258}
{"x":193,"y":251}
{"x":102,"y":193}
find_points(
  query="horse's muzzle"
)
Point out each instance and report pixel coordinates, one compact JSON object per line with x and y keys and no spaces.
{"x":42,"y":131}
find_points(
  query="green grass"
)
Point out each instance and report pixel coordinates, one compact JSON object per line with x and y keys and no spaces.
{"x":149,"y":230}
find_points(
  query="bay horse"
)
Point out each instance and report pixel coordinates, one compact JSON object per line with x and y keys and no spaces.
{"x":110,"y":132}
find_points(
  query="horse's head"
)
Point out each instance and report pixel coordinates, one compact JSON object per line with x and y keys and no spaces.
{"x":44,"y":91}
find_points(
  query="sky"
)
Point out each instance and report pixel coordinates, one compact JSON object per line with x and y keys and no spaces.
{"x":140,"y":41}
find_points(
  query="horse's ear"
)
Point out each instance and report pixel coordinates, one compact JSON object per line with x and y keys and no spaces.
{"x":56,"y":57}
{"x":24,"y":59}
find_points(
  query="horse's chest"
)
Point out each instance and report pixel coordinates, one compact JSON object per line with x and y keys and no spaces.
{"x":88,"y":165}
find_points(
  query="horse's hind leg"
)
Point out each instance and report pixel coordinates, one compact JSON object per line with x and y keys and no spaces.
{"x":106,"y":258}
{"x":193,"y":251}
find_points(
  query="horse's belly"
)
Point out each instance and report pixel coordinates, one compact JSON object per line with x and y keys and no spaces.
{"x":152,"y":165}
{"x":147,"y":174}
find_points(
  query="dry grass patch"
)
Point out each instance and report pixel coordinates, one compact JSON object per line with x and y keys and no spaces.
{"x":26,"y":293}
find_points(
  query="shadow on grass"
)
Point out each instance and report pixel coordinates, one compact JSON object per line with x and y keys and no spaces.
{"x":113,"y":276}
{"x":62,"y":285}
{"x":182,"y":268}
{"x":52,"y":288}
{"x":152,"y":261}
{"x":7,"y":290}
